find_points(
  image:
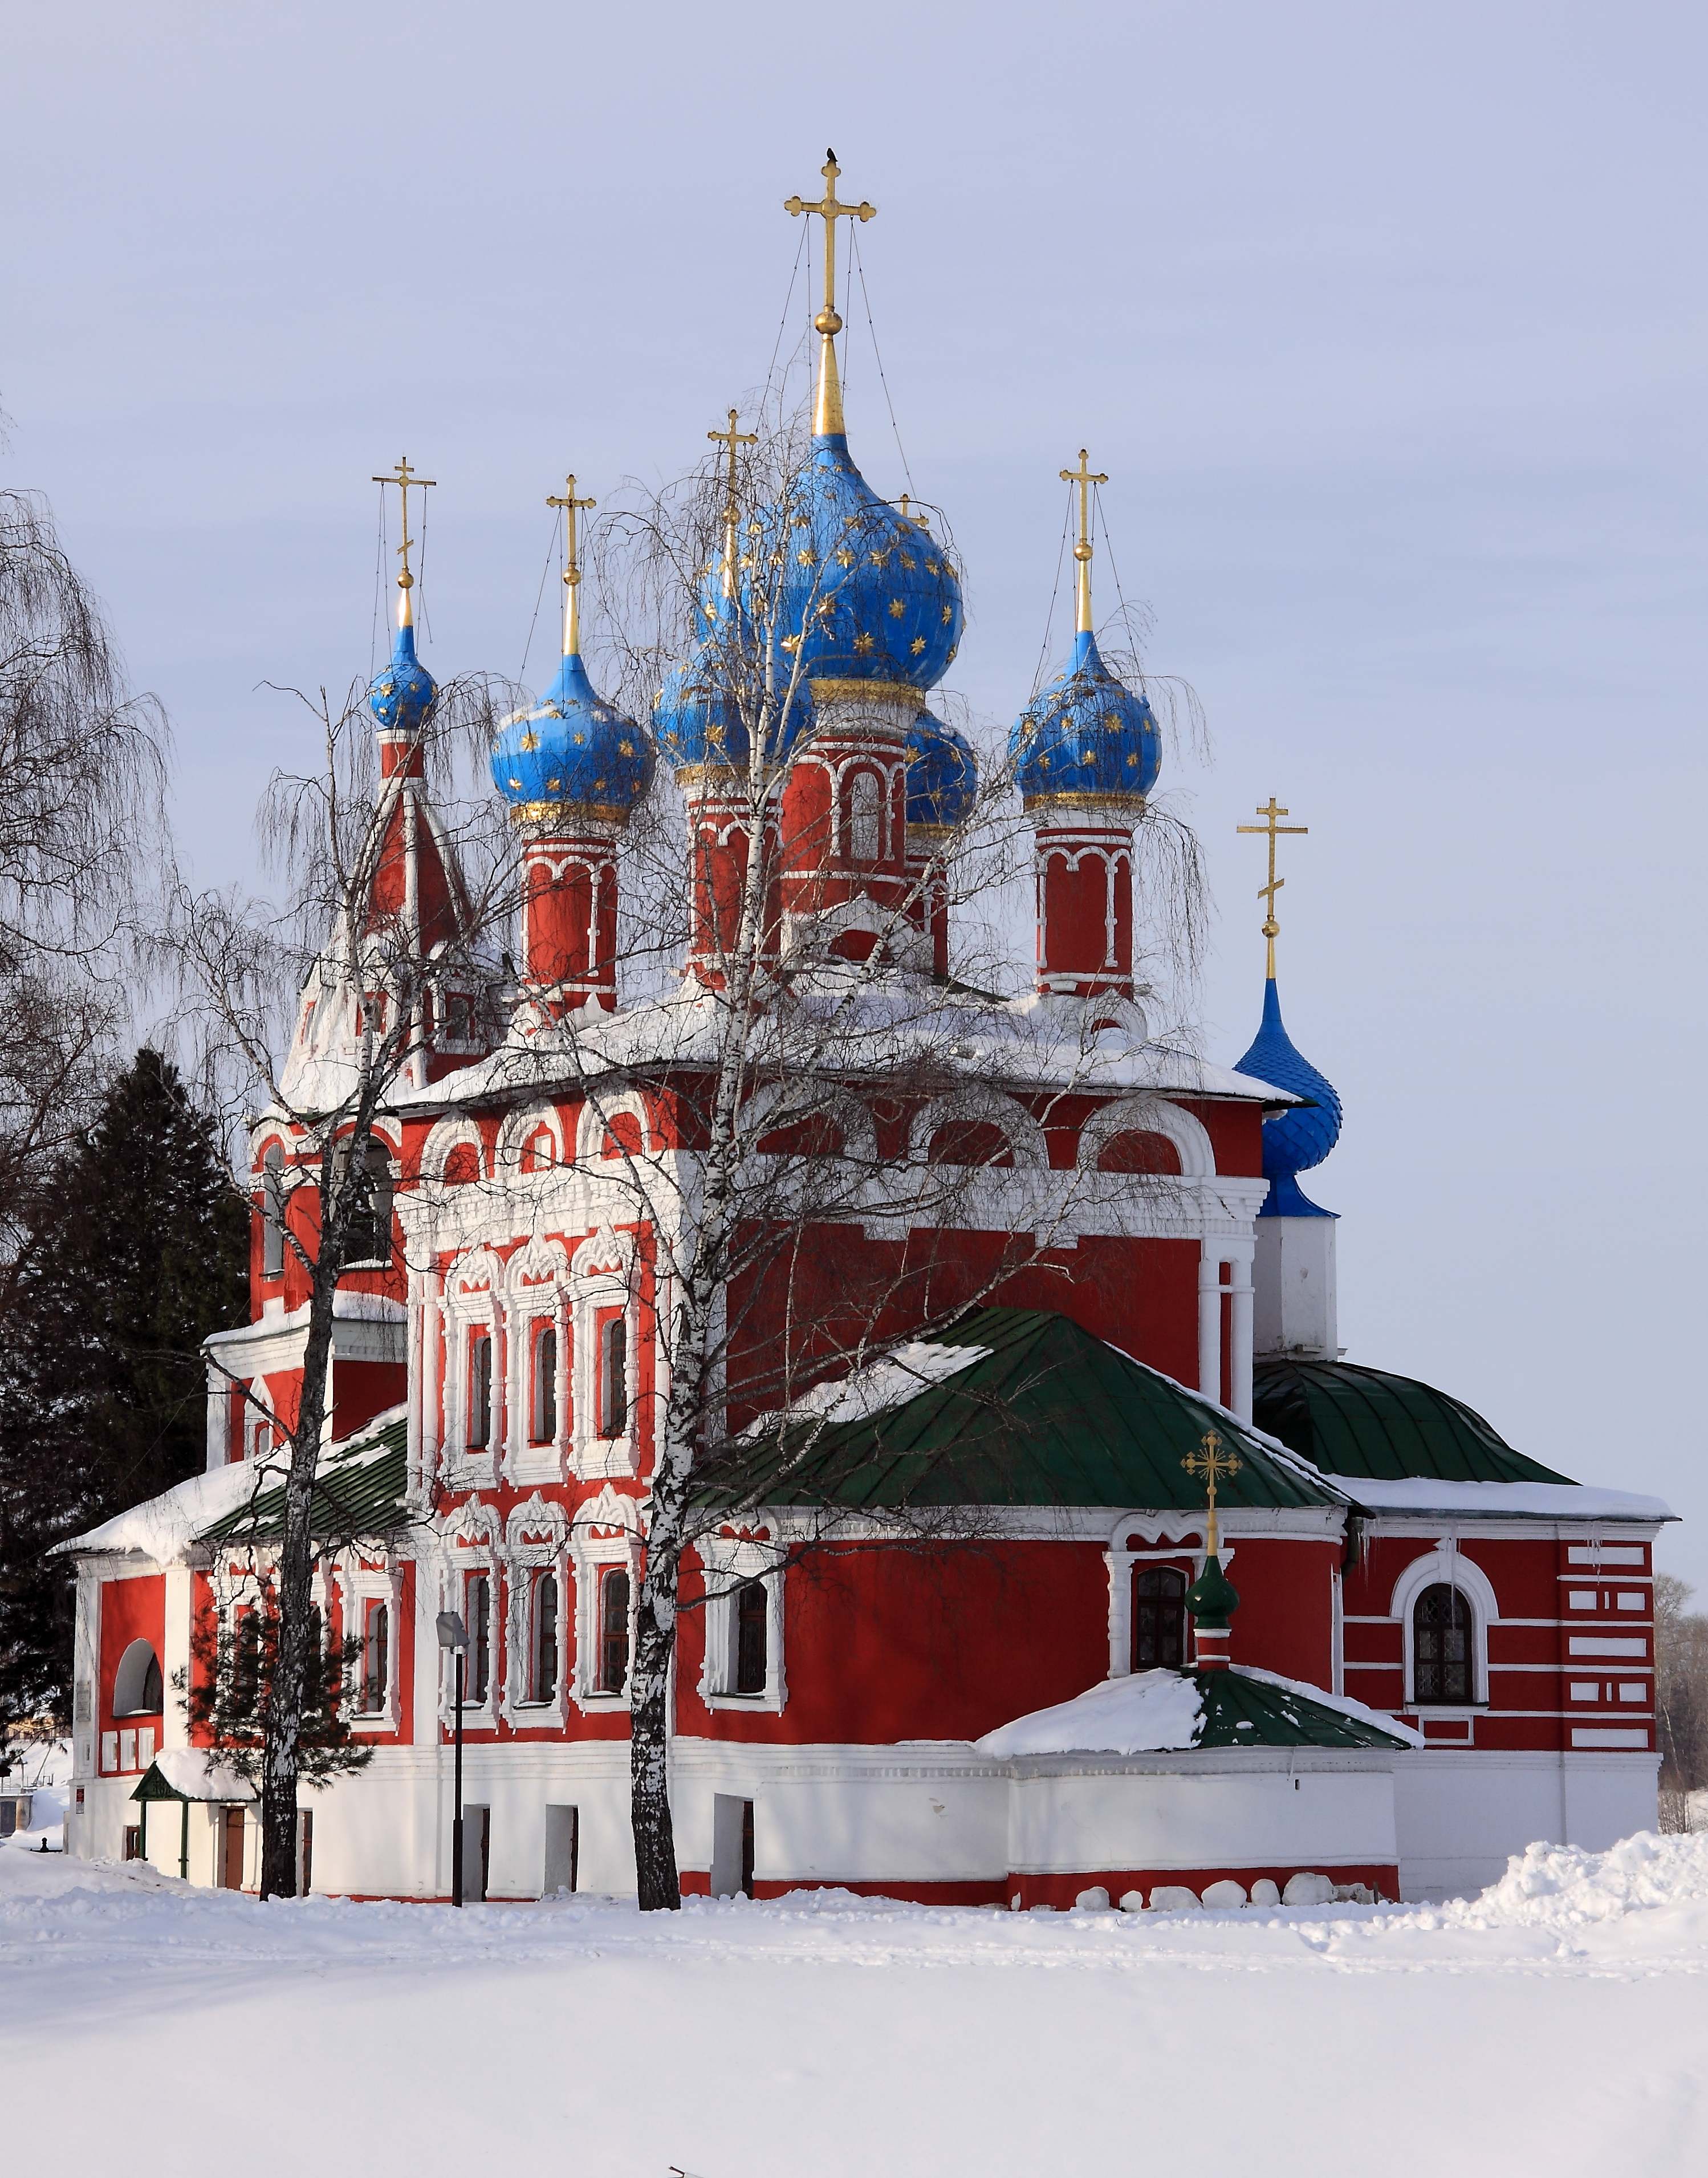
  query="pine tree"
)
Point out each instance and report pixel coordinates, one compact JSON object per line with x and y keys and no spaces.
{"x":133,"y":1250}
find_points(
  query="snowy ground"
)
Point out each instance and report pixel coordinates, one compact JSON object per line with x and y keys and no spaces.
{"x":1559,"y":2024}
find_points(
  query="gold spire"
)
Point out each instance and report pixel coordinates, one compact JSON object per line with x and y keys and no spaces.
{"x":1082,"y":552}
{"x":1215,"y":1465}
{"x":405,"y":478}
{"x":827,"y":417}
{"x":732,"y":438}
{"x":572,"y":573}
{"x":1271,"y":928}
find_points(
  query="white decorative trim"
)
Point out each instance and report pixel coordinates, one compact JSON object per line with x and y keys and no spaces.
{"x":1446,"y":1563}
{"x":730,"y":1562}
{"x":469,"y":1541}
{"x":537,"y":1288}
{"x":360,"y":1584}
{"x":536,"y":1539}
{"x":594,"y":1121}
{"x":450,"y":1133}
{"x":606,"y":1532}
{"x":1154,"y":1530}
{"x":602,"y":1276}
{"x":980,"y":1104}
{"x":518,"y":1130}
{"x":1149,"y":1115}
{"x":473,"y":1291}
{"x":772,"y":1105}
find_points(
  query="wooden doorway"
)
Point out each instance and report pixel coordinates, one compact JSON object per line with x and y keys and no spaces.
{"x":232,"y":1828}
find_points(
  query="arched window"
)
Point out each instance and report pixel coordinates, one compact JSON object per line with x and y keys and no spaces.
{"x":477,"y":1609}
{"x":462,"y":1165}
{"x":480,"y":1390}
{"x":138,"y":1689}
{"x":369,"y":1237}
{"x":542,"y":1657}
{"x":613,"y":1378}
{"x":863,"y":806}
{"x":1138,"y":1151}
{"x":750,"y":1639}
{"x":613,"y":1629}
{"x":273,"y":1211}
{"x":542,"y":1406}
{"x":1159,"y":1619}
{"x":1441,"y":1633}
{"x":376,"y":1659}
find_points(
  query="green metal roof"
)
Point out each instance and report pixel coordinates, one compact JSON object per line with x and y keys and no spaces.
{"x":359,"y":1491}
{"x":1364,"y":1422}
{"x":1245,"y":1712}
{"x":1051,"y":1415}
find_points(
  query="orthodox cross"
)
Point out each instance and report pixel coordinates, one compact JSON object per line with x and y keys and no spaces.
{"x":919,"y":521}
{"x":1083,"y":478}
{"x":732,"y":438}
{"x":1269,"y":812}
{"x":405,"y":478}
{"x":1215,"y":1465}
{"x":572,"y":573}
{"x":830,"y":209}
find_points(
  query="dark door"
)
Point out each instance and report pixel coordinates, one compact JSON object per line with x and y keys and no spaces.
{"x":485,"y":1848}
{"x":748,"y":1847}
{"x":232,"y":1854}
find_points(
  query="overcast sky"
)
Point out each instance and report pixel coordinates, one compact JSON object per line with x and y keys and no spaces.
{"x":1385,"y":323}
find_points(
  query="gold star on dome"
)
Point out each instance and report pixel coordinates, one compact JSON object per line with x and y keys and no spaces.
{"x":863,"y":645}
{"x":918,"y":645}
{"x":844,"y":559}
{"x":530,"y":741}
{"x":896,"y":609}
{"x":948,"y":615}
{"x":803,"y":557}
{"x":626,"y":748}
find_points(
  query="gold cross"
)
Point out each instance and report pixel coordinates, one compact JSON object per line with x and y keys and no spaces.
{"x":405,"y":478}
{"x":1215,"y":1465}
{"x":919,"y":521}
{"x":829,"y":210}
{"x":571,"y":573}
{"x":1082,"y":552}
{"x":732,"y":438}
{"x":1270,"y":812}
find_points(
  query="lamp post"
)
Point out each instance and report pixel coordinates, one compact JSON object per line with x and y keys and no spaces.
{"x":454,"y":1636}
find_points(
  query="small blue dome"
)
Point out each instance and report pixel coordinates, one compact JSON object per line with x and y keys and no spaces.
{"x":878,"y":597}
{"x":942,"y":772}
{"x":696,"y":720}
{"x":402,"y":696}
{"x":1298,"y":1139}
{"x":573,"y":748}
{"x":1086,"y":734}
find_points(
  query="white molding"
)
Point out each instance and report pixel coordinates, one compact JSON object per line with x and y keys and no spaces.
{"x":730,"y":1562}
{"x":1149,"y":1115}
{"x":978,"y":1103}
{"x":606,"y":1532}
{"x":1446,"y":1564}
{"x":536,"y":1540}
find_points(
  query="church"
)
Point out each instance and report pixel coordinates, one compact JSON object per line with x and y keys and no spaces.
{"x":1213,"y":1613}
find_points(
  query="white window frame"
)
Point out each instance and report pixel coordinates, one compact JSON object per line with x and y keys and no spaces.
{"x":472,"y":1302}
{"x":470,"y":1543}
{"x":730,"y":1562}
{"x":602,"y":1278}
{"x":1446,"y":1564}
{"x":1153,"y":1530}
{"x":360,"y":1584}
{"x":606,"y":1533}
{"x":537,"y":1289}
{"x":536,"y":1540}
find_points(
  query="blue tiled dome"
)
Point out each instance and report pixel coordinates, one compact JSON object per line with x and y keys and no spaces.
{"x":1087,"y":735}
{"x":696,"y":720}
{"x":401,"y":696}
{"x":942,"y":772}
{"x":878,"y":597}
{"x":1300,"y":1138}
{"x":573,"y":748}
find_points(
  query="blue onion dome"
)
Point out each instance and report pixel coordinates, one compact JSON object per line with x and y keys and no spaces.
{"x":1300,"y":1137}
{"x":942,"y":774}
{"x":573,"y":749}
{"x":1087,"y":737}
{"x":697,"y":720}
{"x":401,"y":696}
{"x":878,"y":597}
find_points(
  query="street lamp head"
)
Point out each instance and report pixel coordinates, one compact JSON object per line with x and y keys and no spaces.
{"x":452,"y":1632}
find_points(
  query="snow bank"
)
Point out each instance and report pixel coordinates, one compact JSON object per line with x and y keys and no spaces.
{"x":195,"y":1773}
{"x":1146,"y":1713}
{"x":1499,"y":1501}
{"x":1561,"y":1886}
{"x":1342,"y":1704}
{"x":902,"y":1375}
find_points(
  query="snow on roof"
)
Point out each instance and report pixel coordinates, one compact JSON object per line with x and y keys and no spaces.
{"x":900,"y":1375}
{"x":1501,"y":1500}
{"x":1343,"y":1703}
{"x":163,"y":1528}
{"x":1146,"y":1712}
{"x":195,"y":1773}
{"x":349,"y":1307}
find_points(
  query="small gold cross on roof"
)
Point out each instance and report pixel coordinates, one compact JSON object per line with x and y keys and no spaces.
{"x":1269,"y":812}
{"x":406,"y":479}
{"x":1214,"y":1463}
{"x":572,"y":573}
